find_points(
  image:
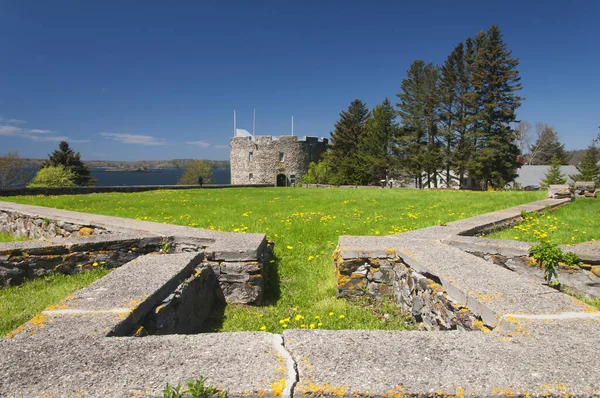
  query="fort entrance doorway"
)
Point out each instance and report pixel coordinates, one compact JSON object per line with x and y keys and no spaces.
{"x":281,"y":180}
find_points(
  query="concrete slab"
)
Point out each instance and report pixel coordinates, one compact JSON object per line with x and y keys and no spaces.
{"x":488,"y":290}
{"x":154,"y":276}
{"x":395,"y":364}
{"x":220,"y":246}
{"x":243,"y":364}
{"x":474,"y":225}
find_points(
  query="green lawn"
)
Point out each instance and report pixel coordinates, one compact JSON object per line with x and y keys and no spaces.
{"x":571,"y":224}
{"x":6,"y":237}
{"x":20,"y":303}
{"x":305,"y":225}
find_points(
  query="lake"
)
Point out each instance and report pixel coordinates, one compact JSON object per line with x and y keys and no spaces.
{"x":151,"y":177}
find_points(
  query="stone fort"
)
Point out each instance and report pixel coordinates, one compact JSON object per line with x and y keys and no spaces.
{"x":280,"y":161}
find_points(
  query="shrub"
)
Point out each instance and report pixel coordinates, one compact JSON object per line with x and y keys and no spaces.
{"x":65,"y":156}
{"x":549,"y":255}
{"x":571,"y":259}
{"x":193,"y":389}
{"x":53,"y":176}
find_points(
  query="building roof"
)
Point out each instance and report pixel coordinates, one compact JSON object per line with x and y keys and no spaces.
{"x":533,"y":175}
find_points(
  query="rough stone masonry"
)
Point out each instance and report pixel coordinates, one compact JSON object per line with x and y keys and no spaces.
{"x":74,"y":242}
{"x":537,"y":341}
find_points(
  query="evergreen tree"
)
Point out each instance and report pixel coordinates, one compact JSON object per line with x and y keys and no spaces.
{"x":547,"y":147}
{"x":588,"y":168}
{"x":561,"y":154}
{"x":418,"y":110}
{"x":456,"y":94}
{"x":495,"y":82}
{"x":345,"y":138}
{"x":71,"y":160}
{"x":374,"y":147}
{"x":553,"y":175}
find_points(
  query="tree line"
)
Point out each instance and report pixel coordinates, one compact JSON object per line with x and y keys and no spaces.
{"x":451,"y":125}
{"x":64,"y":168}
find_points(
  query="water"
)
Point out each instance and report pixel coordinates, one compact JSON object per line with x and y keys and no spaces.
{"x":151,"y":177}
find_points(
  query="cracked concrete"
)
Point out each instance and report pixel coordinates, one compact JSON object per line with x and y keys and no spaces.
{"x":543,"y":343}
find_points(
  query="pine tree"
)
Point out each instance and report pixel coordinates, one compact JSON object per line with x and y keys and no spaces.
{"x":374,"y":148}
{"x":589,"y":170}
{"x":495,"y":81}
{"x":344,"y":143}
{"x":561,"y":154}
{"x":456,"y":94}
{"x":418,"y":109}
{"x":553,"y":175}
{"x":71,"y":160}
{"x":547,"y":147}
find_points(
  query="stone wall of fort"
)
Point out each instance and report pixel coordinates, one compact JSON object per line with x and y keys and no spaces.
{"x":280,"y":160}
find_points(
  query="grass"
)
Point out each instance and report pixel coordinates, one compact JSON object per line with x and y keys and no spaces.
{"x":571,"y":224}
{"x":305,"y":225}
{"x":20,"y":303}
{"x":6,"y":237}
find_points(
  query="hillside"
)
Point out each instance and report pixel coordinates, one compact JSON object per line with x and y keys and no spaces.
{"x":138,"y":164}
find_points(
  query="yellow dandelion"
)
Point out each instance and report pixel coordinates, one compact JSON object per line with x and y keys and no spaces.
{"x":290,"y":247}
{"x":342,"y":316}
{"x":312,"y":325}
{"x":263,"y":328}
{"x":331,"y":314}
{"x":320,"y":324}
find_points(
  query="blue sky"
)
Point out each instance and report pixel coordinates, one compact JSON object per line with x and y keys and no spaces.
{"x":125,"y":80}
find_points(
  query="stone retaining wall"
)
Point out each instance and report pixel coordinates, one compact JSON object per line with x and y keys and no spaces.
{"x":133,"y":188}
{"x":75,"y":242}
{"x":187,"y":309}
{"x":415,"y":293}
{"x":543,"y":343}
{"x":32,"y":227}
{"x":23,"y":261}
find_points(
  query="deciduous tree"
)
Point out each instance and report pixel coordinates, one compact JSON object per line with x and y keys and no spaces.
{"x":12,"y":173}
{"x":193,"y":171}
{"x":53,"y":176}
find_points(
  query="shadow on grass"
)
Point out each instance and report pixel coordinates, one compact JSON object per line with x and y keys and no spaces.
{"x":273,"y":287}
{"x":271,"y":294}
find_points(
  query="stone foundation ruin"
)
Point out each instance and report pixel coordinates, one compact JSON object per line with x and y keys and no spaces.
{"x":531,"y":340}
